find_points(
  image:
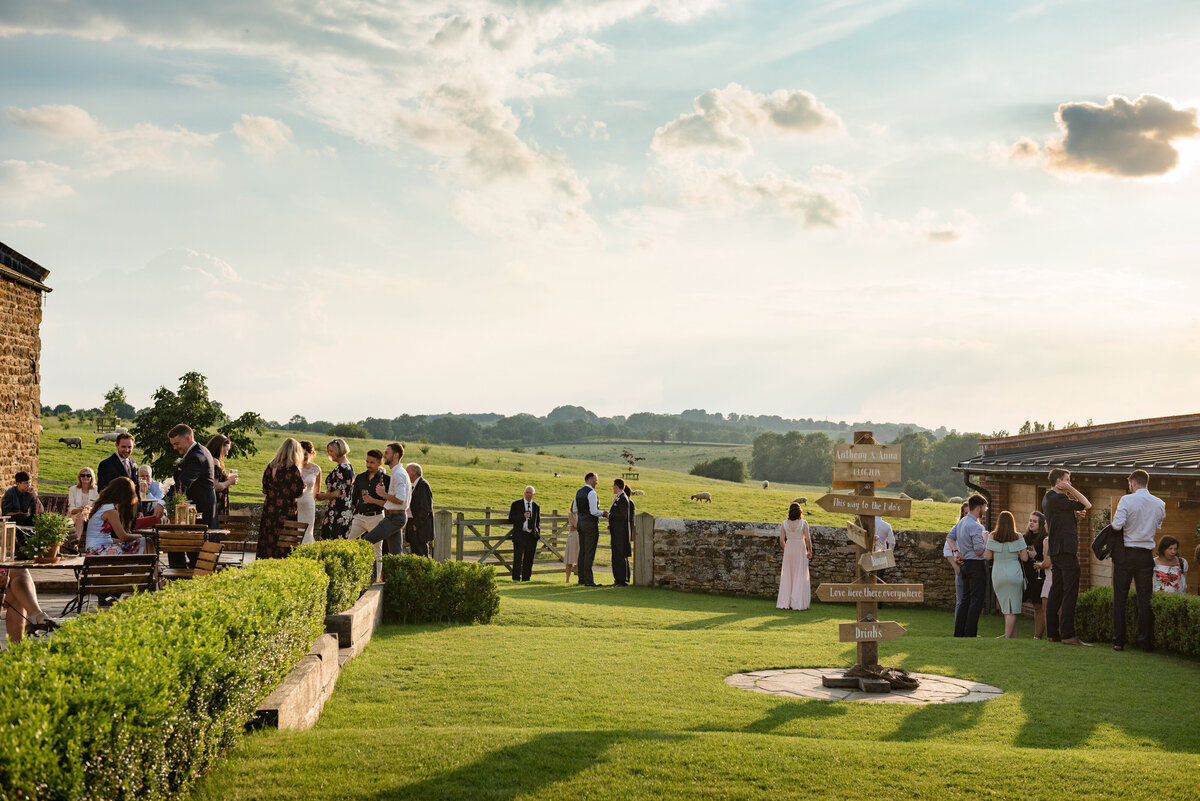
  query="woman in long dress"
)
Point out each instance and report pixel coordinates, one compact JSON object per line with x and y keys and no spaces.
{"x":794,"y":589}
{"x":339,"y":486}
{"x":282,"y":487}
{"x":306,"y":506}
{"x":1006,"y":550}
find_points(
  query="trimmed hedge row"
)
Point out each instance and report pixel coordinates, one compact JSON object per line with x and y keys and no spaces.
{"x":136,"y":702}
{"x":1176,"y":619}
{"x":350,"y":565}
{"x":420,"y":590}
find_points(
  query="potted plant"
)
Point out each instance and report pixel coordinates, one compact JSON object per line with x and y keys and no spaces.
{"x":1100,"y":519}
{"x":50,"y":530}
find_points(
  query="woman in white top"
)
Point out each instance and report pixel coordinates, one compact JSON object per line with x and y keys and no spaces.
{"x":794,"y":589}
{"x":1170,"y":569}
{"x":110,"y":527}
{"x":306,"y":504}
{"x":80,"y":499}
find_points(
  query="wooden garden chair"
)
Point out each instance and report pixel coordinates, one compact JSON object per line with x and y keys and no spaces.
{"x":240,"y":537}
{"x":180,"y":538}
{"x":291,"y":535}
{"x":114,"y":575}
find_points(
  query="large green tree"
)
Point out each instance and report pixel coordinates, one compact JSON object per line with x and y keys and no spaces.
{"x":190,"y":405}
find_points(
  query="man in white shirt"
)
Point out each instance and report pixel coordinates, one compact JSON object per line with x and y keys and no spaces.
{"x":587,"y":510}
{"x":885,"y":538}
{"x":151,"y":491}
{"x":395,"y":506}
{"x":1139,"y":517}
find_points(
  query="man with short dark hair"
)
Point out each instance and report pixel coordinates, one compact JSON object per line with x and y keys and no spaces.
{"x":1139,"y":516}
{"x":366,"y":502}
{"x":968,"y":541}
{"x":525,"y":516}
{"x":587,"y":508}
{"x":119,"y":464}
{"x":21,"y":503}
{"x":620,"y":532}
{"x":1060,"y":505}
{"x":196,"y":478}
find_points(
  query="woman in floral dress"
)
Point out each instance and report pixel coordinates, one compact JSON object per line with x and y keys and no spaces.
{"x":282,"y":487}
{"x":110,"y":527}
{"x":338,"y":487}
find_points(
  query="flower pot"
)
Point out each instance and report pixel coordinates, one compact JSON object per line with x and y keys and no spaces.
{"x":50,"y":557}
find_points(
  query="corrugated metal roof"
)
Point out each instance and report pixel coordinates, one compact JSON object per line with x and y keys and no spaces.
{"x":1171,"y":454}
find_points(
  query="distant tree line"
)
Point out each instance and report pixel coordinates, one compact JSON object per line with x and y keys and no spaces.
{"x":575,"y":423}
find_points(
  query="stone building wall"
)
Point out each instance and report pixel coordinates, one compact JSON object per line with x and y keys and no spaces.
{"x":745,"y":558}
{"x":20,"y":385}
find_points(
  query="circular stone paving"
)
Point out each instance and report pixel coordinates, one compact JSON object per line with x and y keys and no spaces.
{"x":806,"y":683}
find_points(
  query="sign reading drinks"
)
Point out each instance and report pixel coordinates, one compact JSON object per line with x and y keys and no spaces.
{"x":867,"y":505}
{"x":870,"y":631}
{"x":877,"y":593}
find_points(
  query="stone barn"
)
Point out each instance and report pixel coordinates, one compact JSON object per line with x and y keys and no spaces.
{"x":1012,"y":473}
{"x":22,"y":287}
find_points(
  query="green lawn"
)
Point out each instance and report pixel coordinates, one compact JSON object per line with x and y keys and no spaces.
{"x":607,"y":693}
{"x":477,"y":478}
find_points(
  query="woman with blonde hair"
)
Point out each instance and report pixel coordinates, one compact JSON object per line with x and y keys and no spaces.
{"x":282,"y":487}
{"x":1006,"y":550}
{"x":80,"y":499}
{"x":339,"y":487}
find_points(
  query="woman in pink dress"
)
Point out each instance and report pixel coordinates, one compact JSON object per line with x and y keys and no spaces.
{"x":794,"y":590}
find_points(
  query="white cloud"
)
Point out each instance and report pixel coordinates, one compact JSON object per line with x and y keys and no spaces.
{"x":23,"y":183}
{"x":264,"y":137}
{"x":68,"y":122}
{"x":592,"y":129}
{"x":388,"y":74}
{"x":724,"y":118}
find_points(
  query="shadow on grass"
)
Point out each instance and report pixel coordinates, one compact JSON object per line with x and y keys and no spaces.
{"x":524,"y":768}
{"x":936,"y":720}
{"x":783,"y":714}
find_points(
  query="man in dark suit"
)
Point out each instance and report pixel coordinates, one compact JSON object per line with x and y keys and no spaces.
{"x":195,"y":481}
{"x":419,"y":528}
{"x":620,"y":520}
{"x":119,"y":465}
{"x":526,"y":519}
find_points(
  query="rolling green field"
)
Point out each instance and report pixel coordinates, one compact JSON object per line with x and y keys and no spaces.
{"x":663,"y":456}
{"x":478,"y":478}
{"x":574,"y":693}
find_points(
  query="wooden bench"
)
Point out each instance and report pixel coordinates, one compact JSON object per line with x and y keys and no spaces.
{"x":291,"y":535}
{"x":114,"y":575}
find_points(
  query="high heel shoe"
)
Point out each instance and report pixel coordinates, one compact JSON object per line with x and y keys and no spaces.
{"x":43,"y":626}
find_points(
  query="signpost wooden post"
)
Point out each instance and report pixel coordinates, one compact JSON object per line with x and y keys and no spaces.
{"x":863,"y":466}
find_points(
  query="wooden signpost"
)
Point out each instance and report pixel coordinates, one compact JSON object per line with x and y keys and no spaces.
{"x":863,"y":466}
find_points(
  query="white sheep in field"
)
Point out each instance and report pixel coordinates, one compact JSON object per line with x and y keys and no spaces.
{"x":702,"y":496}
{"x":766,"y":484}
{"x":800,"y":501}
{"x":637,"y":492}
{"x":956,"y":499}
{"x":72,"y":442}
{"x":111,"y":436}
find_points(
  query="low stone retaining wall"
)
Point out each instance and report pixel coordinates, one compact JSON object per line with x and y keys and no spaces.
{"x":298,"y":700}
{"x":745,"y":558}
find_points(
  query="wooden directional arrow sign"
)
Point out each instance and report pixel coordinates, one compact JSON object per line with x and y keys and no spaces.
{"x":877,"y":560}
{"x":869,"y":505}
{"x":856,"y":534}
{"x":890,"y":593}
{"x":870,"y":631}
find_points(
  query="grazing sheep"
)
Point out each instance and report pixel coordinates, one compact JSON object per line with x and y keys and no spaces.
{"x":929,"y":500}
{"x":702,"y":496}
{"x":556,"y":475}
{"x":111,"y":436}
{"x":72,"y":442}
{"x":800,"y":501}
{"x":766,"y":484}
{"x":956,"y":499}
{"x":905,"y":497}
{"x":637,"y":492}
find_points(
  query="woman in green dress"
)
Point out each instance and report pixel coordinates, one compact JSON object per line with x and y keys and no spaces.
{"x":1006,"y":550}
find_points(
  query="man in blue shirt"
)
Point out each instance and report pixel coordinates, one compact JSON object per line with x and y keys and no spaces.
{"x":968,"y":543}
{"x":1139,"y":517}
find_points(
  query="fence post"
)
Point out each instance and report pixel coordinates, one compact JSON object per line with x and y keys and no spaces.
{"x":643,"y":550}
{"x":554,"y":526}
{"x":443,"y":523}
{"x":487,"y":527}
{"x":458,"y":523}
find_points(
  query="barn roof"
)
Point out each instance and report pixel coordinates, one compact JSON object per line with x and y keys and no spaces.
{"x":1162,"y":450}
{"x":22,"y":269}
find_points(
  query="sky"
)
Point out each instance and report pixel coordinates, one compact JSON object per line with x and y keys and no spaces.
{"x":945,"y":213}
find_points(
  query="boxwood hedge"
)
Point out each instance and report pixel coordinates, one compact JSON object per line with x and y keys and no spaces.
{"x":350,"y":565}
{"x":1176,"y":619}
{"x":420,"y":590}
{"x":136,"y":702}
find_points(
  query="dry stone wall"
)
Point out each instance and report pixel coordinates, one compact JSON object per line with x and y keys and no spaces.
{"x":20,"y":385}
{"x":745,"y":558}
